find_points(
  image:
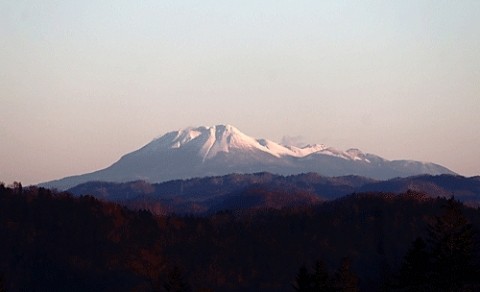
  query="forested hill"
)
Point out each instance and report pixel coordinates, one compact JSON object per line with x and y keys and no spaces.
{"x":263,"y":190}
{"x":57,"y":242}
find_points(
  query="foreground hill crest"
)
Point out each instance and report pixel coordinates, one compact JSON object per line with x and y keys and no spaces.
{"x":223,"y":149}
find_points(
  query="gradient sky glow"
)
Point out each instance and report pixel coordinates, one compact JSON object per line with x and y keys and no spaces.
{"x":84,"y":82}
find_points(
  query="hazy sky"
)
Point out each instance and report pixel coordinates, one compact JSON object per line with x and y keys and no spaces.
{"x":84,"y":82}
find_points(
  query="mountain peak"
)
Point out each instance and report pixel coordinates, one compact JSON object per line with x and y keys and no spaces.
{"x":223,"y":149}
{"x":225,"y":128}
{"x":206,"y":141}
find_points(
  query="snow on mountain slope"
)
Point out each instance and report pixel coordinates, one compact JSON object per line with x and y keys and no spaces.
{"x":224,"y":138}
{"x":223,"y":149}
{"x":307,"y":150}
{"x":207,"y":142}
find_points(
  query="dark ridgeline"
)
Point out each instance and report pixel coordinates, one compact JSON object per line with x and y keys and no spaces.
{"x":365,"y":242}
{"x":204,"y":196}
{"x":320,"y":280}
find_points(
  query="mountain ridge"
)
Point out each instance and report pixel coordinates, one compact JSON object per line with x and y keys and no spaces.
{"x":223,"y":149}
{"x":235,"y":191}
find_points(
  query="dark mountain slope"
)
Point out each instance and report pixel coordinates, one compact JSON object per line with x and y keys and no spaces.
{"x":56,"y":242}
{"x":208,"y":195}
{"x":465,"y":189}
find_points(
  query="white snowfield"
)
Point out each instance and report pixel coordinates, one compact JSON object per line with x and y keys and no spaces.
{"x":223,"y":138}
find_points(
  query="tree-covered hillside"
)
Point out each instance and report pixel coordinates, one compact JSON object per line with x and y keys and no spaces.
{"x":56,"y":242}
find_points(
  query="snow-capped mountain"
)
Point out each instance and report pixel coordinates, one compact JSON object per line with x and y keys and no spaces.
{"x":223,"y":149}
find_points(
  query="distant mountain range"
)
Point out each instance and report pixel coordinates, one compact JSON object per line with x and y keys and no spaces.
{"x":223,"y":149}
{"x":265,"y":190}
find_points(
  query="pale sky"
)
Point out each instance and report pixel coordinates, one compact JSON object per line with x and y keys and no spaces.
{"x":84,"y":82}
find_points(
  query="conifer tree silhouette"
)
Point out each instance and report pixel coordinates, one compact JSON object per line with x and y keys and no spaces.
{"x":416,"y":266}
{"x":452,"y":246}
{"x":303,"y":280}
{"x":176,"y":282}
{"x":345,"y":280}
{"x":2,"y":285}
{"x":320,"y":278}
